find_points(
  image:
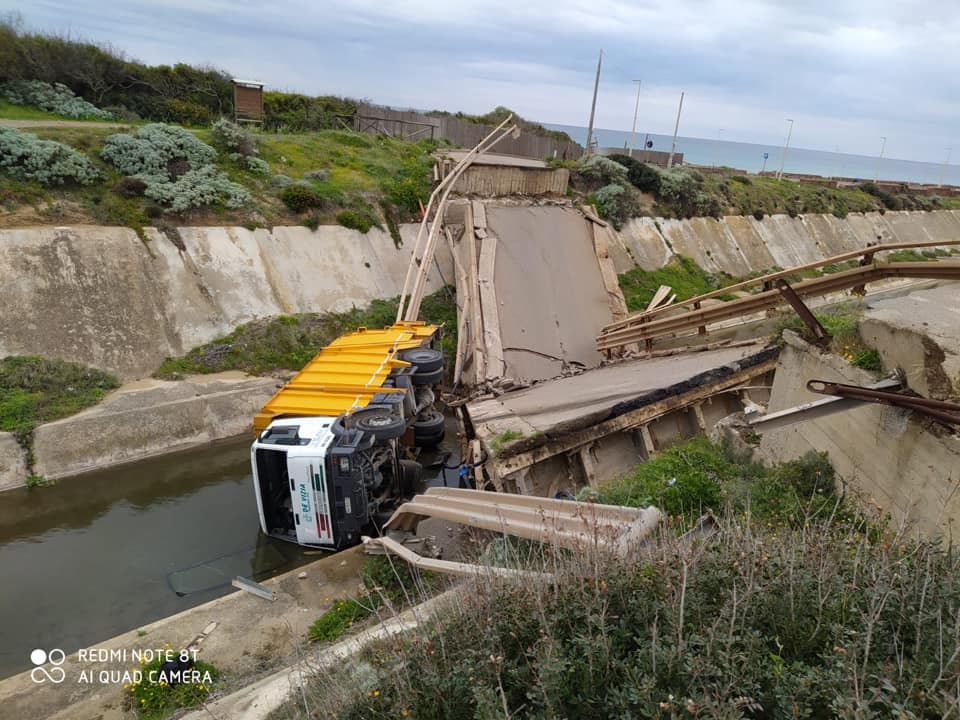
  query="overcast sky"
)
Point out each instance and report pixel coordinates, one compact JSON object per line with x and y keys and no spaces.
{"x":847,"y":71}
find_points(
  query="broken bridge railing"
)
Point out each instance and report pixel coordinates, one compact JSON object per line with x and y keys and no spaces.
{"x":664,"y":320}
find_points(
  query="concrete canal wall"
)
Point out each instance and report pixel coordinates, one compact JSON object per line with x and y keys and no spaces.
{"x":739,"y":245}
{"x":101,"y":296}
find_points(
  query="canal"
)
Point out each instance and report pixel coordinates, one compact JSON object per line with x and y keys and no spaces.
{"x":102,"y":553}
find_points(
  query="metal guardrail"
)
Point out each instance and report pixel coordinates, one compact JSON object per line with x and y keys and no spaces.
{"x":645,"y":327}
{"x":865,"y":254}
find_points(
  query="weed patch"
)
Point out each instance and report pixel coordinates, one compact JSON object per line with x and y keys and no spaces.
{"x":288,"y":342}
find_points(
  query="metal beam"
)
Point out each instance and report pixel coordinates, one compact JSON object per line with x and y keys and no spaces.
{"x":809,"y":319}
{"x":815,"y":409}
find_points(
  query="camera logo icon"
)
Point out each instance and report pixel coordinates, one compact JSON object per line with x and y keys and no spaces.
{"x":55,"y":674}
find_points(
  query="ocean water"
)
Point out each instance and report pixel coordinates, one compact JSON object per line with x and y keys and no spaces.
{"x":749,"y":157}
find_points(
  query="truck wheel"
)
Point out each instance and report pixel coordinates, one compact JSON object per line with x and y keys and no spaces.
{"x":424,"y":359}
{"x":429,"y":431}
{"x":382,"y":425}
{"x":434,"y":377}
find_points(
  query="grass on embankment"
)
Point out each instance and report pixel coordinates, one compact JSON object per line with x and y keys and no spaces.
{"x":799,"y":607}
{"x":35,"y":390}
{"x":683,"y":275}
{"x":379,"y":179}
{"x":10,"y":111}
{"x":288,"y":342}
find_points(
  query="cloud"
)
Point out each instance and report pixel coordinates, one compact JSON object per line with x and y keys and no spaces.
{"x":847,"y":71}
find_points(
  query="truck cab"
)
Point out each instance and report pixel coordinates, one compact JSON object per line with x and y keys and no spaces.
{"x":321,"y":479}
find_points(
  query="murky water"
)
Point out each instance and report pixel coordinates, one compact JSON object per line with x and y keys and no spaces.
{"x":93,"y":556}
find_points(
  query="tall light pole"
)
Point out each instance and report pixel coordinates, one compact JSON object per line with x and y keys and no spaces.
{"x":593,"y":107}
{"x":786,"y":147}
{"x":636,"y":109}
{"x":883,"y":144}
{"x":676,"y":129}
{"x":946,"y":162}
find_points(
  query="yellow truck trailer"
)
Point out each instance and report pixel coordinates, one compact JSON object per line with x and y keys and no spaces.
{"x":329,"y":454}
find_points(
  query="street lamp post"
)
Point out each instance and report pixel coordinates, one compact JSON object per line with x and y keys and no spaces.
{"x":786,"y":147}
{"x":943,"y":170}
{"x":883,"y":144}
{"x":636,"y":109}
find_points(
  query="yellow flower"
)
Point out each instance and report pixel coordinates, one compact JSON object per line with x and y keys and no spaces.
{"x":376,"y":693}
{"x":404,"y":712}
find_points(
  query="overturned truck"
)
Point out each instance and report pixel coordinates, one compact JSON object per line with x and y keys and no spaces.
{"x":332,"y":447}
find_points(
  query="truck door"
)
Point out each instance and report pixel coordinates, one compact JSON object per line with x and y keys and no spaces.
{"x":310,"y":502}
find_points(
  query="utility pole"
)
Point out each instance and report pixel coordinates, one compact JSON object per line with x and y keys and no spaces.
{"x":946,"y":162}
{"x":786,"y":147}
{"x":676,"y":129}
{"x":593,"y":107}
{"x":636,"y":109}
{"x":883,"y":144}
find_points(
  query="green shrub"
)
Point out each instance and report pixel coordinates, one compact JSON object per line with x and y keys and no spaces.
{"x":300,"y":196}
{"x":868,"y":359}
{"x":339,"y":618}
{"x":233,"y":138}
{"x":617,"y":204}
{"x":26,"y":156}
{"x":680,"y":191}
{"x":251,"y":163}
{"x":645,"y":178}
{"x":361,"y":220}
{"x":159,"y":699}
{"x":601,"y":171}
{"x":51,"y":97}
{"x":683,"y":479}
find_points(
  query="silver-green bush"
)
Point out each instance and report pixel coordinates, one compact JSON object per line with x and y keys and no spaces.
{"x":603,"y":170}
{"x":196,"y":188}
{"x":50,"y":163}
{"x":234,"y":138}
{"x":55,"y":98}
{"x":153,"y":148}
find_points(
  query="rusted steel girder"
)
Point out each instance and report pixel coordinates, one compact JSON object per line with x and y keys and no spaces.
{"x":809,"y":319}
{"x":942,"y":410}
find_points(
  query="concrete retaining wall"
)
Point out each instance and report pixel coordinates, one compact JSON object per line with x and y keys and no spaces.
{"x":739,"y":245}
{"x":890,"y":458}
{"x":100,"y":296}
{"x":148,"y":418}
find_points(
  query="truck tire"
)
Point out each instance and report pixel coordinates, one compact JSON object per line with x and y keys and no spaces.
{"x":411,"y":473}
{"x":424,"y":359}
{"x":381,"y":424}
{"x":434,"y":377}
{"x":429,"y":432}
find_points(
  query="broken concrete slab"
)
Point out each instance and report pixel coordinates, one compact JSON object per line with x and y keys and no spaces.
{"x":549,"y":288}
{"x":920,"y":334}
{"x":572,"y":403}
